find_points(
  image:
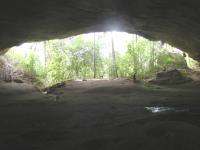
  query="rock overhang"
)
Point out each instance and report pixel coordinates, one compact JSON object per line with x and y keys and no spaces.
{"x":173,"y":21}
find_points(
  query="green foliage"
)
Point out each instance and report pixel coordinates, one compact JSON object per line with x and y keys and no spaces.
{"x":171,"y":60}
{"x":144,"y":58}
{"x":192,"y":64}
{"x":29,"y":62}
{"x":63,"y":60}
{"x":74,"y":59}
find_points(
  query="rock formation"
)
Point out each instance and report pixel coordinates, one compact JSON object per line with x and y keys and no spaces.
{"x":172,"y":21}
{"x":170,"y":77}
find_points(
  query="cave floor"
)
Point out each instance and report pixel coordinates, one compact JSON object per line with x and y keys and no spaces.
{"x":100,"y":115}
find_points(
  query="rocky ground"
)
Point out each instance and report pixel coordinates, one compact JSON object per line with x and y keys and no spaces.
{"x":100,"y":115}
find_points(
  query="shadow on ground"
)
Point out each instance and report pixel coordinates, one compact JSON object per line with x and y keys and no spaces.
{"x":99,"y":115}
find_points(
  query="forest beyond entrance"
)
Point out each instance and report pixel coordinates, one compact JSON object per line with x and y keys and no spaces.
{"x":107,"y":55}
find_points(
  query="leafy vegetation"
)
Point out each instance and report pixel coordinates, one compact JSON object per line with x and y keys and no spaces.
{"x":80,"y":58}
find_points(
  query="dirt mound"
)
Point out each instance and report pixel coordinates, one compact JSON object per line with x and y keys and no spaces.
{"x":170,"y":77}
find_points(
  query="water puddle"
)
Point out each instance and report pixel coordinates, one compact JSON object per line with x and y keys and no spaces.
{"x":165,"y":109}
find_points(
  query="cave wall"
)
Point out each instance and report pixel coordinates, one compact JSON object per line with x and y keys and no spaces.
{"x":173,"y":21}
{"x":6,"y":70}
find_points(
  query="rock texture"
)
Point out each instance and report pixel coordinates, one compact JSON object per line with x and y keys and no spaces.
{"x":10,"y":73}
{"x":173,"y":21}
{"x":170,"y":77}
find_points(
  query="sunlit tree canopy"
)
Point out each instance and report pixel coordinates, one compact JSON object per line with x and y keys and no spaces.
{"x":96,"y":55}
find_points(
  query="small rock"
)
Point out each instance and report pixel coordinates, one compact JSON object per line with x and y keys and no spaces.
{"x":18,"y":81}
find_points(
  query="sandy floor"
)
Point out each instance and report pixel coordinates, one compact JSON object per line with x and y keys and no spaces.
{"x":100,"y":115}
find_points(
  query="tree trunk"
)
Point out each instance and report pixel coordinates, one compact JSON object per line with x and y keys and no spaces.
{"x":136,"y":38}
{"x":45,"y":54}
{"x":113,"y":57}
{"x":153,"y":56}
{"x":94,"y":56}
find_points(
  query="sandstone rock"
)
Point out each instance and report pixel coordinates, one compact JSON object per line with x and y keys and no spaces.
{"x":170,"y":77}
{"x":53,"y":88}
{"x":18,"y":81}
{"x":172,"y":21}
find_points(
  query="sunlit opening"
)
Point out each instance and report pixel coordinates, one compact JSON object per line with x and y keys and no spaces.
{"x":104,"y":55}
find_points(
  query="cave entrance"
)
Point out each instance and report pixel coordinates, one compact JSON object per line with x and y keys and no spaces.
{"x":75,"y":92}
{"x":103,"y":55}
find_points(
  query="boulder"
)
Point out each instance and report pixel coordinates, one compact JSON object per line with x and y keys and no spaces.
{"x":170,"y":77}
{"x":18,"y":81}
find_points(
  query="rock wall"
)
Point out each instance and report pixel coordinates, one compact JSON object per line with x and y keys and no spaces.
{"x":6,"y":71}
{"x":9,"y":73}
{"x":173,"y":21}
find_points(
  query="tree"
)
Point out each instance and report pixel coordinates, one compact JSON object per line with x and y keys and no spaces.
{"x":94,"y":56}
{"x":80,"y":58}
{"x":114,"y":69}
